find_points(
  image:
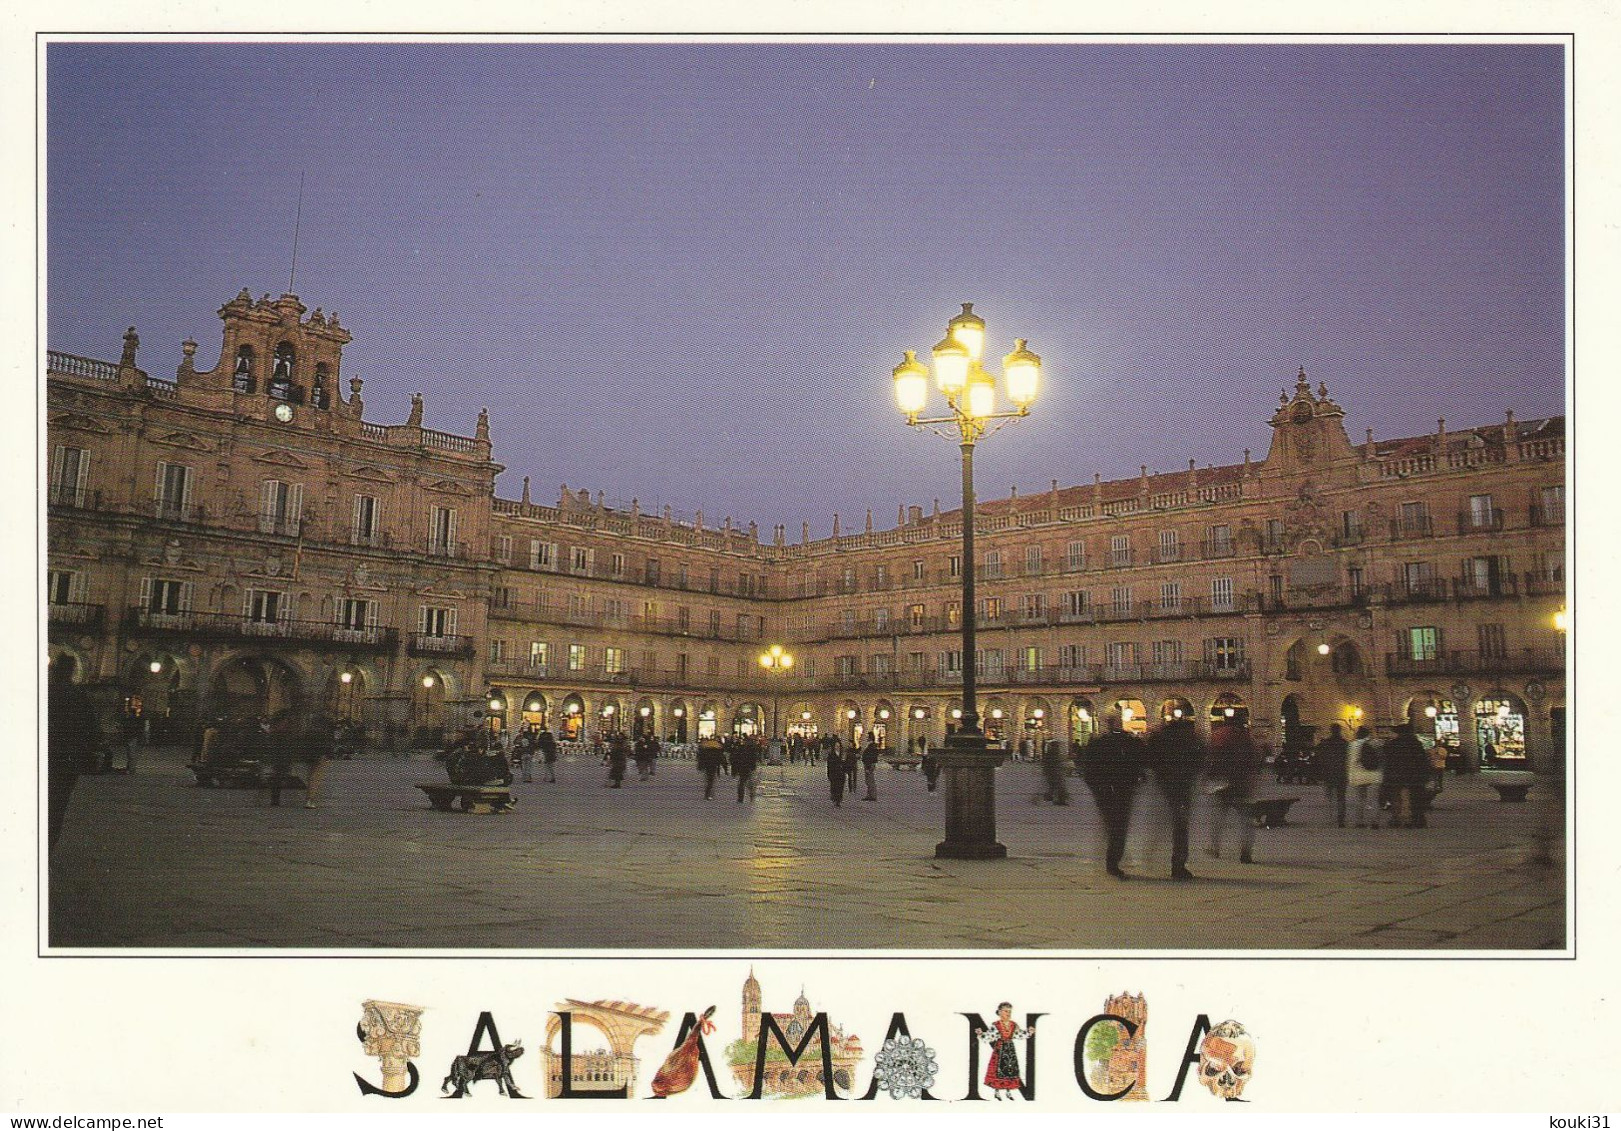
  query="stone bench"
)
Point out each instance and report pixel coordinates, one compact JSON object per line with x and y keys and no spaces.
{"x":1271,"y":812}
{"x":241,"y":775}
{"x":470,"y":798}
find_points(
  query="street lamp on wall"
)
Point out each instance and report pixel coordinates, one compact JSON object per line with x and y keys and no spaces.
{"x":968,"y":760}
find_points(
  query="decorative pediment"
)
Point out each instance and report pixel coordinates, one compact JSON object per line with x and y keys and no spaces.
{"x":189,"y":441}
{"x":374,"y":474}
{"x":80,"y":422}
{"x":280,"y":457}
{"x":172,"y":556}
{"x":449,"y":487}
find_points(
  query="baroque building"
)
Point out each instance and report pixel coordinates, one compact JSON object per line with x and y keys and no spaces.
{"x":242,"y":540}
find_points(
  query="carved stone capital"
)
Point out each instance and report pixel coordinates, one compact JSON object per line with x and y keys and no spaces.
{"x":392,"y":1034}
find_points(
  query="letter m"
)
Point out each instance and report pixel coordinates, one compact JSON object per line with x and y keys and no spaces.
{"x":816,"y":1029}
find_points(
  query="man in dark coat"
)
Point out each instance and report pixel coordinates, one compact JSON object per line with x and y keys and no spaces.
{"x":745,"y":757}
{"x":709,"y":763}
{"x":1331,"y":758}
{"x":1114,"y":762}
{"x":836,"y":776}
{"x":869,"y":764}
{"x":1176,"y":755}
{"x":618,"y":759}
{"x":1407,"y":769}
{"x":1235,"y":761}
{"x":72,"y":734}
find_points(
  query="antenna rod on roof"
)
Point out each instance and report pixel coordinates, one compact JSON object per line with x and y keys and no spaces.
{"x":297,"y":220}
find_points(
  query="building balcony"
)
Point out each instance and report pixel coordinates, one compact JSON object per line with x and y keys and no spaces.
{"x":1543,"y":584}
{"x":449,"y":647}
{"x":1524,"y":661}
{"x":1477,"y":589}
{"x":1547,"y":516}
{"x":77,"y":614}
{"x":1418,"y":592}
{"x":1221,"y":548}
{"x":235,"y":626}
{"x":438,"y":549}
{"x":1406,"y":529}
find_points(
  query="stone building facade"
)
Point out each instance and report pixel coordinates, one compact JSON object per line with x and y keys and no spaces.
{"x":243,"y":540}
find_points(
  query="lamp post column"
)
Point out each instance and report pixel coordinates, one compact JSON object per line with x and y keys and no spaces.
{"x":967,"y":760}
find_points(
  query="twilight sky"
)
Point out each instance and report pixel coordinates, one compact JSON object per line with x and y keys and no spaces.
{"x":683,"y":272}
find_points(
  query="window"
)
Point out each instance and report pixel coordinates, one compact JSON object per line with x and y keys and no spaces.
{"x":498,"y":651}
{"x":1120,"y":550}
{"x":1122,"y":654}
{"x":953,"y":613}
{"x":1493,"y":642}
{"x":714,"y":581}
{"x":539,"y":653}
{"x":363,"y":530}
{"x":614,"y":610}
{"x":683,"y":619}
{"x":1423,"y":643}
{"x":954,"y":565}
{"x":650,"y":571}
{"x":1353,"y":578}
{"x":542,"y":555}
{"x":1351,"y":526}
{"x":847,"y":580}
{"x":914,"y":616}
{"x":917,"y":662}
{"x":436,"y":620}
{"x":746,"y":626}
{"x":65,"y":586}
{"x":1078,"y":604}
{"x":712,"y":667}
{"x":951,"y":663}
{"x":579,"y":607}
{"x":1170,"y":597}
{"x":880,"y":577}
{"x":1415,"y":519}
{"x":849,"y":665}
{"x":1219,"y":541}
{"x":990,"y":663}
{"x":881,"y":663}
{"x":503,"y":549}
{"x":281,"y":505}
{"x":1030,"y":658}
{"x":1072,"y":655}
{"x":1273,"y":539}
{"x":714,"y":622}
{"x":880,"y":620}
{"x":918,"y":571}
{"x":1482,"y":513}
{"x":580,"y":560}
{"x":354,"y":616}
{"x":1170,"y":546}
{"x":1550,"y":508}
{"x":1418,"y":578}
{"x":1221,"y":594}
{"x":172,"y":494}
{"x":847,"y":621}
{"x":1033,"y":606}
{"x":442,"y":532}
{"x":1224,"y":653}
{"x":990,"y":609}
{"x":613,"y":661}
{"x":681,"y":575}
{"x":616,"y":565}
{"x":1167,"y":652}
{"x":576,"y":657}
{"x":993,"y":563}
{"x":1076,"y":556}
{"x":1120,"y":600}
{"x":70,"y":469}
{"x":1032,"y":561}
{"x":164,"y":597}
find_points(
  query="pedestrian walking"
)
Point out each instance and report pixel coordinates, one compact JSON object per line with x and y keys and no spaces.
{"x":1364,"y":774}
{"x":618,"y":759}
{"x":1332,"y":758}
{"x":1054,"y":768}
{"x":1407,"y":771}
{"x":523,"y":746}
{"x":654,"y":749}
{"x":869,"y":766}
{"x":546,"y":743}
{"x":851,"y":757}
{"x":1235,"y":761}
{"x":745,"y":759}
{"x":1176,"y":756}
{"x":836,"y":776}
{"x":931,"y":768}
{"x":72,"y":735}
{"x":320,"y":745}
{"x":277,"y":738}
{"x":1114,"y":762}
{"x":709,"y":762}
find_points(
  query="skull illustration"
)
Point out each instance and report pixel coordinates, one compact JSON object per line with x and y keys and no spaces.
{"x":1226,"y":1060}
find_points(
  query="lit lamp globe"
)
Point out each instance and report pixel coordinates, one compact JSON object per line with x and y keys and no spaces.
{"x":968,"y":330}
{"x":765,"y":659}
{"x":979,"y":400}
{"x":786,"y":660}
{"x":1022,"y":369}
{"x":911,"y":385}
{"x":950,"y":367}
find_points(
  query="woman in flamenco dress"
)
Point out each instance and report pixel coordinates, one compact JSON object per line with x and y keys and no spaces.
{"x":1002,"y":1073}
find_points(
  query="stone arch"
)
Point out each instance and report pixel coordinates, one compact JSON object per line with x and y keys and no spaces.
{"x":709,"y":719}
{"x":1499,"y":717}
{"x":80,"y":672}
{"x":1175,"y":707}
{"x":532,"y":707}
{"x":1082,"y":719}
{"x":680,"y":721}
{"x":996,"y":718}
{"x":571,"y":717}
{"x":1229,"y":707}
{"x":247,"y":684}
{"x":621,"y":1024}
{"x":748,"y":718}
{"x":644,"y":717}
{"x":1132,"y":710}
{"x":886,"y":723}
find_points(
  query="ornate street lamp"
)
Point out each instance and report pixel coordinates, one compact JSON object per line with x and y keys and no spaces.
{"x":776,"y":661}
{"x":968,"y":759}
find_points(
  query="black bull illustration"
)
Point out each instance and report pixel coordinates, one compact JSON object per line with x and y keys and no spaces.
{"x":495,"y":1065}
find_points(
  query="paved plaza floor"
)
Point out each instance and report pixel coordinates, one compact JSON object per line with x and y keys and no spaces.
{"x":151,"y":860}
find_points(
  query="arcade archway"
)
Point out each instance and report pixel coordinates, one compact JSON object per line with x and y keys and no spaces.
{"x":256,"y":687}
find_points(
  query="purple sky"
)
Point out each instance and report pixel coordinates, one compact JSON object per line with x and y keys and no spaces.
{"x":683,"y":272}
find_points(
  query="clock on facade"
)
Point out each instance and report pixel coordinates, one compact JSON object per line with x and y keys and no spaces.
{"x":284,"y":412}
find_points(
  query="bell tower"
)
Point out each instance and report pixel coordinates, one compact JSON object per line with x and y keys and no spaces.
{"x":271,"y":350}
{"x":1307,"y":431}
{"x":751,"y":1008}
